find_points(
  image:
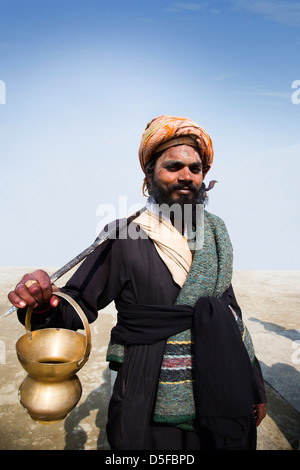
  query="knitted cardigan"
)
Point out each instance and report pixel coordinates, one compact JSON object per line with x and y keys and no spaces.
{"x":209,"y":276}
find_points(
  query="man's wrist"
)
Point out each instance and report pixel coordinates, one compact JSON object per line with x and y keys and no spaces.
{"x":42,"y":309}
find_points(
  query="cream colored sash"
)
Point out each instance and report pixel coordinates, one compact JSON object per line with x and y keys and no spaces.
{"x":171,"y":246}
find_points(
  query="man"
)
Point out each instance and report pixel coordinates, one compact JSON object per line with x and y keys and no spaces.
{"x":188,"y":378}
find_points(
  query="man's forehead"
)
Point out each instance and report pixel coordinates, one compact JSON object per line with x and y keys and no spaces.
{"x":181,"y":152}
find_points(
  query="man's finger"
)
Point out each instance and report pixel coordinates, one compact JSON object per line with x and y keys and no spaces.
{"x":25,"y":295}
{"x":16,"y":300}
{"x":44,"y":288}
{"x":54,"y":301}
{"x":260,"y":412}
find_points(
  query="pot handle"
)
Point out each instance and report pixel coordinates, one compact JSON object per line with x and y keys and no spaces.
{"x":88,"y":343}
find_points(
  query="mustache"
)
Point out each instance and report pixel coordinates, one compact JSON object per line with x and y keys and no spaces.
{"x":190,"y":186}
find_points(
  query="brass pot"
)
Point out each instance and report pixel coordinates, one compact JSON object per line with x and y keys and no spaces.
{"x":52,"y":357}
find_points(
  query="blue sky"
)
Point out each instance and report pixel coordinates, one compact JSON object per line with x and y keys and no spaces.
{"x":81,"y":79}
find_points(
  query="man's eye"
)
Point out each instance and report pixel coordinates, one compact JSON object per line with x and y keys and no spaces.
{"x":196,"y":170}
{"x":173,"y":167}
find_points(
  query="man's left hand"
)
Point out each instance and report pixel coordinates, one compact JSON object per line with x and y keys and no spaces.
{"x":260,"y":411}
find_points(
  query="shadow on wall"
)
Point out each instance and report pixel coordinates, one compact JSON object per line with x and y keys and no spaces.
{"x":75,"y":435}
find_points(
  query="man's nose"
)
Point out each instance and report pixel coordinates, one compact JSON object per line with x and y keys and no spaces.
{"x":185,"y":174}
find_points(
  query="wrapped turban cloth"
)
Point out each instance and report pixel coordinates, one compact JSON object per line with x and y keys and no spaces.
{"x":167,"y":131}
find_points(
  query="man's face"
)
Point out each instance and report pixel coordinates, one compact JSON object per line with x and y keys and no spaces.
{"x":178,"y":176}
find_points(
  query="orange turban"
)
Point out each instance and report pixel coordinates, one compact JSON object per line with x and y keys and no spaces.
{"x":167,"y":131}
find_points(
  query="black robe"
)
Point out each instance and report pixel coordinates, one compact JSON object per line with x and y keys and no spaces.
{"x":131,"y":271}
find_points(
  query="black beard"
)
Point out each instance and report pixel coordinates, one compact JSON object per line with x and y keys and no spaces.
{"x":165,"y":196}
{"x":181,"y":209}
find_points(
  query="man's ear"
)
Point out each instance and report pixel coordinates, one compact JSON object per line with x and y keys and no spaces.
{"x":145,"y":187}
{"x":148,"y":181}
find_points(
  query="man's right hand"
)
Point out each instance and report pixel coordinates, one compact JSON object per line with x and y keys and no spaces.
{"x":34,"y":290}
